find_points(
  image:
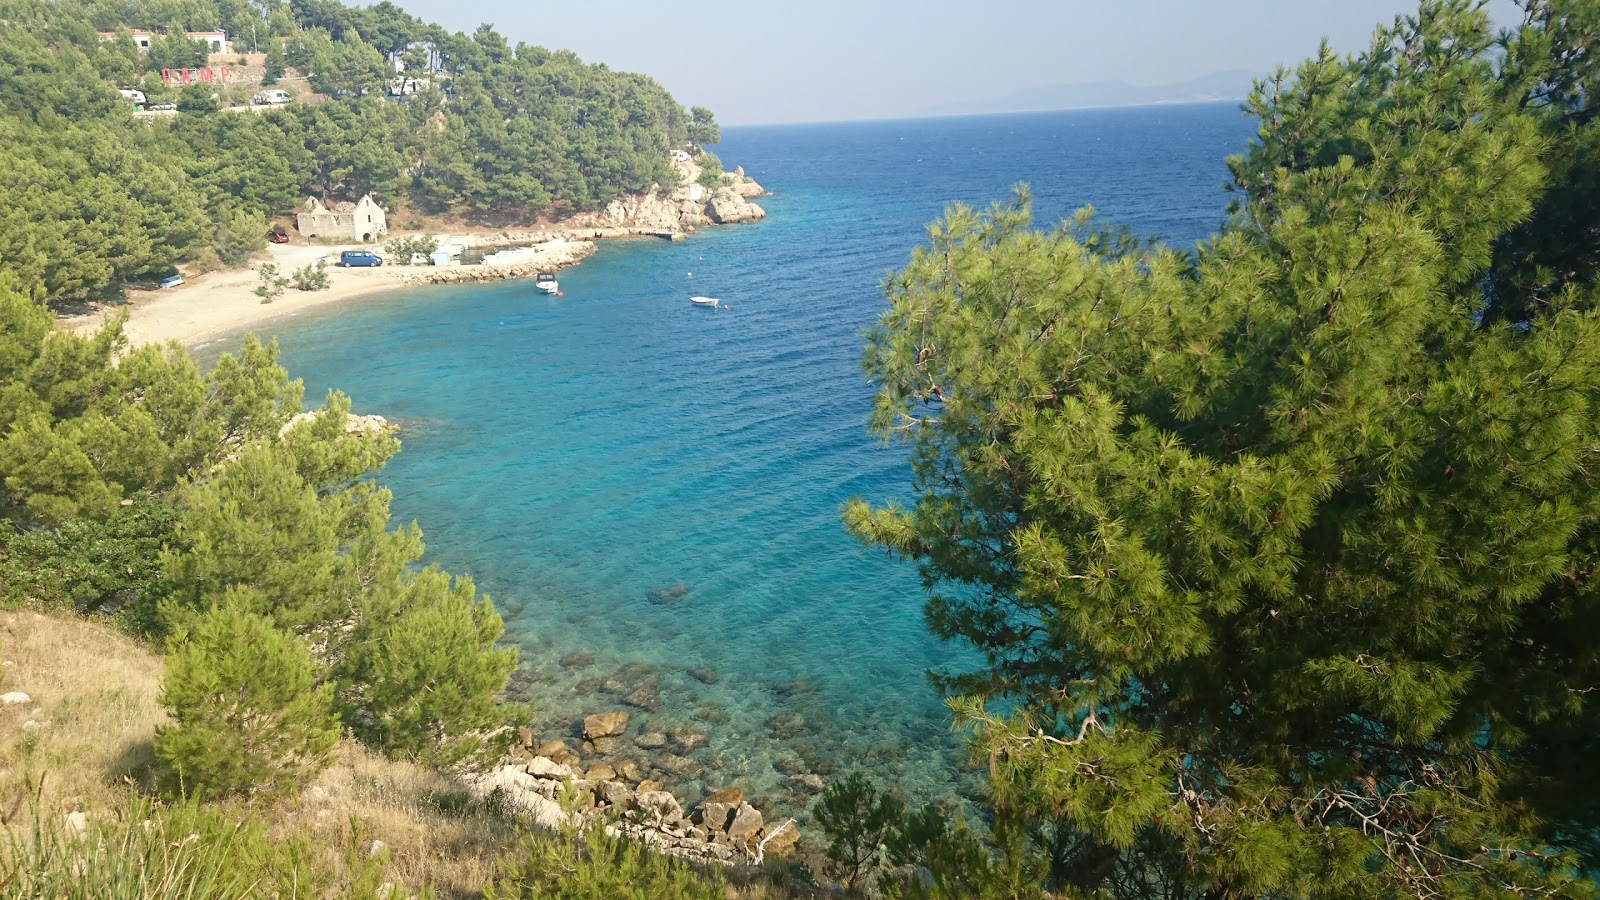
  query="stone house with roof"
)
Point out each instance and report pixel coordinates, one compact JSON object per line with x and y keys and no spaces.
{"x":363,"y":220}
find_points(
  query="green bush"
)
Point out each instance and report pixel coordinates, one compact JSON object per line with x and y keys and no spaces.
{"x":310,"y":277}
{"x":198,"y":99}
{"x":422,"y":676}
{"x":92,"y":565}
{"x":859,"y":821}
{"x":271,"y":283}
{"x":249,"y":716}
{"x":598,"y":866}
{"x":402,"y":249}
{"x":710,"y":171}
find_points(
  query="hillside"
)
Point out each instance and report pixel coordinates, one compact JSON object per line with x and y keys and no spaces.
{"x":478,"y":129}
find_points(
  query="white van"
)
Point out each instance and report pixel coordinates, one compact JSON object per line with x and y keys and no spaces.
{"x":136,"y":96}
{"x":273,"y":97}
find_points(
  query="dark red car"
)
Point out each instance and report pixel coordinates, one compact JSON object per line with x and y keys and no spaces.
{"x":278,"y":237}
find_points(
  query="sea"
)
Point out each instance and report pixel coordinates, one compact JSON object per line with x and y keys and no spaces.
{"x":650,"y":491}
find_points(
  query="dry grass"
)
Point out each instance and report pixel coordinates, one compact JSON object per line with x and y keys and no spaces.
{"x":84,"y":744}
{"x":433,"y":834}
{"x":94,"y":711}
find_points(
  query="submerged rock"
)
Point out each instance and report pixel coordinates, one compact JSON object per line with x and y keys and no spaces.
{"x":644,"y":698}
{"x":668,"y":595}
{"x":577,"y":661}
{"x":681,"y":766}
{"x":688,"y":739}
{"x":806,"y":784}
{"x":788,"y":765}
{"x":651,"y":740}
{"x":605,"y":725}
{"x":705,"y":675}
{"x":786,"y":725}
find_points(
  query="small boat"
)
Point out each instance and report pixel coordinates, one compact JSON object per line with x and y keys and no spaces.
{"x":546,"y":281}
{"x":705,"y":301}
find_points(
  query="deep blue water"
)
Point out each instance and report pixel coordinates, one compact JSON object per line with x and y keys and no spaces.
{"x":590,"y":458}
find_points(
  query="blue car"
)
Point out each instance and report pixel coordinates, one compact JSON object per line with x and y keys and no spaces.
{"x":360,"y":258}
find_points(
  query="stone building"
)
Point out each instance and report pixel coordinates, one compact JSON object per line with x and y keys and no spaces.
{"x":363,"y":220}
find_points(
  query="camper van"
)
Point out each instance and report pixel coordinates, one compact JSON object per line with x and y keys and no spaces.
{"x":136,"y":96}
{"x":273,"y":97}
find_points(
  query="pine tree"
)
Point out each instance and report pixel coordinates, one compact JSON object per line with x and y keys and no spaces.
{"x":248,"y":716}
{"x":1281,"y":554}
{"x":421,"y":677}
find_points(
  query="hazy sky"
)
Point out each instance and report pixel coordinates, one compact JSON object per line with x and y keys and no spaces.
{"x":830,"y":60}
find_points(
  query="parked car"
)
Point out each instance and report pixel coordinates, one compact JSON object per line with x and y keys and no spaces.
{"x":360,"y":258}
{"x":272,"y":97}
{"x":162,"y":107}
{"x":278,"y":237}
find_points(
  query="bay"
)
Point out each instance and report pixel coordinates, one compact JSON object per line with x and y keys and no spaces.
{"x":657,"y":486}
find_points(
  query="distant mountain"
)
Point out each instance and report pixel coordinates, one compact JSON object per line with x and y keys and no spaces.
{"x":1234,"y":85}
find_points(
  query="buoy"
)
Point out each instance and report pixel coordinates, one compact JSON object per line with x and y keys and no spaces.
{"x":560,"y":294}
{"x":691,"y":274}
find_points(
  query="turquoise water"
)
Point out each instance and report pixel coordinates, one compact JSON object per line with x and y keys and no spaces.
{"x":658,"y":485}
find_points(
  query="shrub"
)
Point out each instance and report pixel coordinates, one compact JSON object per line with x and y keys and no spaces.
{"x":198,"y":99}
{"x":597,"y":866}
{"x":271,"y":283}
{"x":710,"y":171}
{"x":402,"y":249}
{"x":422,"y":678}
{"x":311,"y":277}
{"x":858,"y":821}
{"x":249,"y":717}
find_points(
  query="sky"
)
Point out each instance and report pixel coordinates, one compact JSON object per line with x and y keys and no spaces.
{"x":763,"y":62}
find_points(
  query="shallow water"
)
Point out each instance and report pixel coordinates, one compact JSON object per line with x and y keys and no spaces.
{"x":658,"y":485}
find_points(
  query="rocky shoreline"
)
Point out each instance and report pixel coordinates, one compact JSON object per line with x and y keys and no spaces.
{"x":546,"y":784}
{"x":672,"y":215}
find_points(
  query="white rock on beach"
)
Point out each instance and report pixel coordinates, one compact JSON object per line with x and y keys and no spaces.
{"x":14,"y":698}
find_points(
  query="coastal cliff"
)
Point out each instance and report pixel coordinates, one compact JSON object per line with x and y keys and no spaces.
{"x":669,"y":213}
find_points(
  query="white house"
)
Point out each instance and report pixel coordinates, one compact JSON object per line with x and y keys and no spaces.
{"x":216,"y":41}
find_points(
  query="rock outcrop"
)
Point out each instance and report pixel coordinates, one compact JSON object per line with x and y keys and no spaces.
{"x":723,"y":829}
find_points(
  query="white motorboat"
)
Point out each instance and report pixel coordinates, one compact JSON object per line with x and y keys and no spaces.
{"x":546,"y":281}
{"x":705,"y":301}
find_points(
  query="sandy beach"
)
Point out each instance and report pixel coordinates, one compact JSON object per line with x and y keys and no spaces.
{"x":219,"y":303}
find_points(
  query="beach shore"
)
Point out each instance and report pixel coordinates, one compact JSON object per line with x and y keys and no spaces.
{"x":220,"y":303}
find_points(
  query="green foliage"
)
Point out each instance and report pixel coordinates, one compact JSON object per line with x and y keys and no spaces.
{"x":597,"y":866}
{"x":703,"y":127}
{"x":248,"y":716}
{"x":1279,"y":552}
{"x":270,"y":284}
{"x":239,"y":235}
{"x":274,"y":66}
{"x":858,"y":821}
{"x":710,"y":171}
{"x":310,"y":277}
{"x":93,"y":566}
{"x":198,"y":100}
{"x":81,"y":434}
{"x":404,"y":248}
{"x":526,"y":131}
{"x":422,"y":673}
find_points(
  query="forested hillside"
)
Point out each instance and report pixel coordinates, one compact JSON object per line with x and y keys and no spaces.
{"x":512,"y":131}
